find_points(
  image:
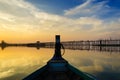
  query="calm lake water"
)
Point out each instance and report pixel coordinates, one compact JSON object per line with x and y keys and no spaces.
{"x":17,"y":63}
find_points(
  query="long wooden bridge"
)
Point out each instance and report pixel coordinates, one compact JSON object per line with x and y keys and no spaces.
{"x":99,"y":45}
{"x":73,"y":44}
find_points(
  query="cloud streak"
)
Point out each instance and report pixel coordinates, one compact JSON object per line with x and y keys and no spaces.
{"x":89,"y":8}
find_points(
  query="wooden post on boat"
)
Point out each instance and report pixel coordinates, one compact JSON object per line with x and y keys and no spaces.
{"x":57,"y":63}
{"x":57,"y":54}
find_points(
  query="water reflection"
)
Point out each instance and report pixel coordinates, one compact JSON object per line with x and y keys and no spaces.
{"x":102,"y":65}
{"x":17,"y":63}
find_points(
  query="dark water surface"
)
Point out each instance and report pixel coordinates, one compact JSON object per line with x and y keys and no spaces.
{"x":17,"y":63}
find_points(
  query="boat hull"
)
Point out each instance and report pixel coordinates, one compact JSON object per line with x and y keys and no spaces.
{"x":59,"y":71}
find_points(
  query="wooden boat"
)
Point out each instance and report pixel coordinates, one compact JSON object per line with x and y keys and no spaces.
{"x":58,"y":68}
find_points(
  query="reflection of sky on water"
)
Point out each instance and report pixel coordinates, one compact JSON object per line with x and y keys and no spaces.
{"x":104,"y":66}
{"x":16,"y":63}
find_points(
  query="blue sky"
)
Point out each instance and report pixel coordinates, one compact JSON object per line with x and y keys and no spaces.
{"x":55,"y":6}
{"x":59,"y":6}
{"x":91,"y":19}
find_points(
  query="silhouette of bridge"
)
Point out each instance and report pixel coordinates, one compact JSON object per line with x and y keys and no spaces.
{"x":99,"y":45}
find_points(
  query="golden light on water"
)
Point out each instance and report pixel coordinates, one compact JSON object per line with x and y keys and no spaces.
{"x":16,"y":63}
{"x":21,"y":61}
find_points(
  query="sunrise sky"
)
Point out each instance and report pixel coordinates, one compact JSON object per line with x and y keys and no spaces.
{"x":32,"y":20}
